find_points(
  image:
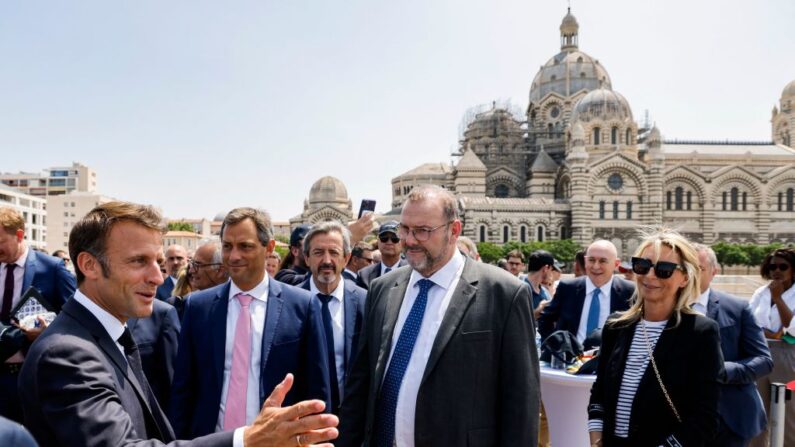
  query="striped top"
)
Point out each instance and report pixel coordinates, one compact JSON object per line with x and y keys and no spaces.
{"x":637,"y":362}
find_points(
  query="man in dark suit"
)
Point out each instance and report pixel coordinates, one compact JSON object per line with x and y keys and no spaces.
{"x":156,"y":337}
{"x":176,"y":259}
{"x":327,"y":248}
{"x":82,"y":383}
{"x":361,"y":257}
{"x":448,"y":356}
{"x":206,"y":270}
{"x":573,"y":308}
{"x":389,"y":244}
{"x":294,"y":270}
{"x":20,"y":269}
{"x":241,"y":338}
{"x":745,"y":354}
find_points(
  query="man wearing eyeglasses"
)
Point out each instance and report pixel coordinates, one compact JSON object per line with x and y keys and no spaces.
{"x":581,"y":305}
{"x":389,"y":244}
{"x":361,"y":257}
{"x":447,"y":357}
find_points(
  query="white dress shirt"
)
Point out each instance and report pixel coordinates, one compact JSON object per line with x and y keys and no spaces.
{"x":604,"y":306}
{"x":701,"y":303}
{"x":19,"y":274}
{"x":766,"y":313}
{"x":337,"y":311}
{"x":257,"y":309}
{"x":112,"y":325}
{"x":445,"y":281}
{"x":390,"y":267}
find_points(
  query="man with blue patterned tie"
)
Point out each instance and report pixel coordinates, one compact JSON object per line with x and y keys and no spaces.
{"x":581,"y":305}
{"x":448,"y":354}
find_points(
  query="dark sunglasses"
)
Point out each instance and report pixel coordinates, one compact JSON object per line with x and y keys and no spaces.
{"x":662,"y":269}
{"x":773,"y":267}
{"x":386,"y":238}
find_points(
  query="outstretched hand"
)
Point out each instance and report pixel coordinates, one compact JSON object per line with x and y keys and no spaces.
{"x":296,"y":425}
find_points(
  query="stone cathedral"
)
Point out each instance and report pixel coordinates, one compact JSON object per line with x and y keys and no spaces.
{"x":577,"y":165}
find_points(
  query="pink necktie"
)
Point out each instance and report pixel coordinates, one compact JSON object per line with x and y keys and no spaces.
{"x":235,"y":413}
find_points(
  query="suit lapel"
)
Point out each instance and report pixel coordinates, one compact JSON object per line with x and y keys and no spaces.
{"x":579,"y":303}
{"x":30,"y":270}
{"x":713,"y":305}
{"x":218,"y":313}
{"x":393,"y":298}
{"x":615,"y":295}
{"x":459,"y":303}
{"x":272,"y":313}
{"x":350,"y":303}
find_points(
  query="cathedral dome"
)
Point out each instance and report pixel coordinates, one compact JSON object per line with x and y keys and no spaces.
{"x":789,"y":91}
{"x":602,"y":104}
{"x":569,"y":71}
{"x":328,"y":190}
{"x":496,"y":121}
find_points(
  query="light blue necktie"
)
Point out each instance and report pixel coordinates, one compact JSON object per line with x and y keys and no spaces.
{"x":593,"y":313}
{"x":387,"y":401}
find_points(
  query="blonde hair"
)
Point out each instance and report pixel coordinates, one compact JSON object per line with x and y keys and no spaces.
{"x":686,"y":295}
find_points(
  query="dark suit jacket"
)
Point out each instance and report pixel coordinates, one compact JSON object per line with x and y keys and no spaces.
{"x":481,"y":383}
{"x":179,"y":303}
{"x":746,"y":359}
{"x":354,"y":301}
{"x":156,"y":338}
{"x":78,"y":390}
{"x":14,"y":434}
{"x":293,"y":276}
{"x":566,"y":308}
{"x":371,"y":272}
{"x":292,"y":343}
{"x":690,"y":362}
{"x":164,"y":290}
{"x":349,"y":276}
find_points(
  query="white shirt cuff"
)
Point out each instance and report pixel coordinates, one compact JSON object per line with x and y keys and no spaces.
{"x":237,"y":439}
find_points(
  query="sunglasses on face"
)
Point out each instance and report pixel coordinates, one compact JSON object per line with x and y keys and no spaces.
{"x":387,"y":238}
{"x":662,"y":269}
{"x":773,"y":267}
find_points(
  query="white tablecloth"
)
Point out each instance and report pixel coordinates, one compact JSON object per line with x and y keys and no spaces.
{"x":565,"y":399}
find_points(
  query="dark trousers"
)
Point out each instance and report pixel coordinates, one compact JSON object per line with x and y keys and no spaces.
{"x":10,"y":406}
{"x":727,"y":438}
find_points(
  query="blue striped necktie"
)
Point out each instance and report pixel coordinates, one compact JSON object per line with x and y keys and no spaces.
{"x":593,"y":313}
{"x":387,"y":401}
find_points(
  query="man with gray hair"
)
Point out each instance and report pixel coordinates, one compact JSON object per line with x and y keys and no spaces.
{"x":240,"y":338}
{"x":745,"y":354}
{"x":448,"y":356}
{"x":327,"y":249}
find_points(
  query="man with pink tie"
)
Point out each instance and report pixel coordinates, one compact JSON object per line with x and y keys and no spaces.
{"x":240,"y":338}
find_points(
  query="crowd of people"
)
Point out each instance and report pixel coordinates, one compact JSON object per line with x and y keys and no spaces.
{"x":408,"y":340}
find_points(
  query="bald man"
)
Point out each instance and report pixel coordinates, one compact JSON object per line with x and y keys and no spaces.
{"x":581,"y":305}
{"x":176,"y":258}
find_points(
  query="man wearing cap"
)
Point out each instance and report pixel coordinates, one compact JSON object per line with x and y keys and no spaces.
{"x":539,"y":268}
{"x":390,"y":245}
{"x":294,"y":269}
{"x":581,"y":305}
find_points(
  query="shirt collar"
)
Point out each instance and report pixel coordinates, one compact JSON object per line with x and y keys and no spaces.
{"x":605,"y":289}
{"x":259,"y":292}
{"x":20,"y":262}
{"x":355,"y":275}
{"x":393,"y":266}
{"x":112,"y":325}
{"x":703,"y":299}
{"x":337,"y":293}
{"x":445,"y":275}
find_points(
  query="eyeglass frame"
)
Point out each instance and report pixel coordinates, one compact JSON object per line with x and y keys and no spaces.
{"x":662,"y":273}
{"x":428,"y":231}
{"x":196,"y":265}
{"x":394,"y":239}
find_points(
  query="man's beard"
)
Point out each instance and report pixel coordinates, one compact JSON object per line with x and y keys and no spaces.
{"x":427,"y":262}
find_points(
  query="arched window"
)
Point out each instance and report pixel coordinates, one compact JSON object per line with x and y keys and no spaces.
{"x":790,"y":199}
{"x":501,"y":190}
{"x":482,"y":233}
{"x":668,"y":197}
{"x":689,"y":200}
{"x":506,"y":234}
{"x":523,"y":234}
{"x":615,"y":209}
{"x":549,"y":130}
{"x":629,"y":210}
{"x":563,"y":233}
{"x":724,"y":201}
{"x":745,"y":200}
{"x":780,"y":201}
{"x":678,"y":195}
{"x":602,"y":209}
{"x":614,"y":135}
{"x":735,"y":199}
{"x":597,"y":134}
{"x":628,"y":139}
{"x":540,"y":233}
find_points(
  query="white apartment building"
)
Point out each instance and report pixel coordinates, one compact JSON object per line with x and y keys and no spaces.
{"x":53,"y":181}
{"x":64,"y":211}
{"x":34,"y":212}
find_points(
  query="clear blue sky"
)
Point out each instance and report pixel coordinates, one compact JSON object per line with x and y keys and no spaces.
{"x":201,"y":106}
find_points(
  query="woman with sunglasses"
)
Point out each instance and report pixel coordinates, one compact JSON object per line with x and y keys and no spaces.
{"x":773,"y":305}
{"x":657,"y":379}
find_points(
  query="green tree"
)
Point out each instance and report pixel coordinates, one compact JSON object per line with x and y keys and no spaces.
{"x":180,"y":226}
{"x":282,"y":238}
{"x":489,"y":253}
